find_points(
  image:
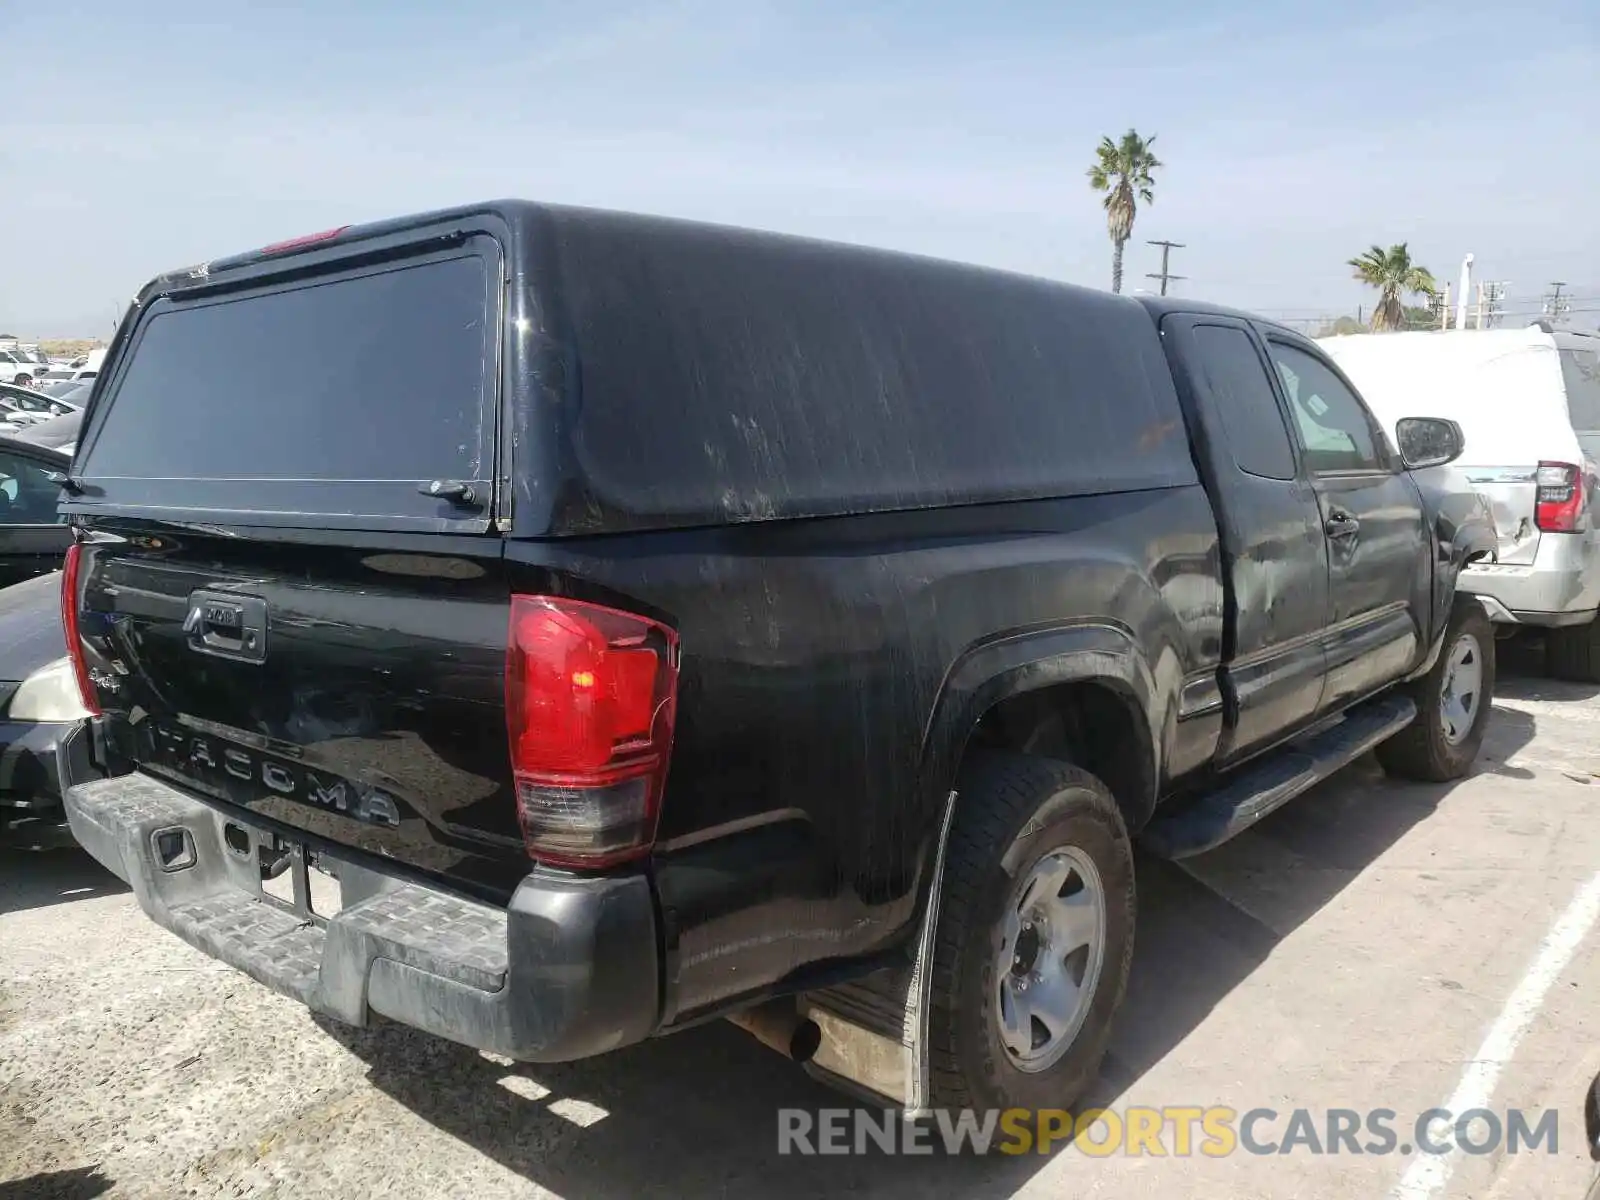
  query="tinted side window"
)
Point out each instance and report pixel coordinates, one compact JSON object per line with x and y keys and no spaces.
{"x":26,"y":496}
{"x":1334,"y":427}
{"x":1242,"y":392}
{"x":1580,"y":370}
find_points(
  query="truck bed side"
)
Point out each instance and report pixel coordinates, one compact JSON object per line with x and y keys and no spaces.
{"x":837,"y":668}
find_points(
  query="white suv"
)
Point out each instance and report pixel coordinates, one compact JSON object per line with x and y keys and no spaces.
{"x":1528,"y":403}
{"x":18,"y":367}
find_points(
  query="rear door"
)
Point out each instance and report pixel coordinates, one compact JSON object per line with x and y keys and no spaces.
{"x":280,"y":606}
{"x":1378,"y":541}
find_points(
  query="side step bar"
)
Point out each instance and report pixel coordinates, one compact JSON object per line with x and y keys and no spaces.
{"x":1259,"y":788}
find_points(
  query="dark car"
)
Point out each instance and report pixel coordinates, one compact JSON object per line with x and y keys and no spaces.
{"x":33,"y":537}
{"x":43,"y":736}
{"x":714,"y":623}
{"x":75,"y":395}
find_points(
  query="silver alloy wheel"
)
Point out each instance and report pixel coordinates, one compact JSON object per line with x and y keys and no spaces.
{"x":1463,"y":688}
{"x":1052,"y":944}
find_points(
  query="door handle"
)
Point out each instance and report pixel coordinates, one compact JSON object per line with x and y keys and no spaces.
{"x":1341,"y":524}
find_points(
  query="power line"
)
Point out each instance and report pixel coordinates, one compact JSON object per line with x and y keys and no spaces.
{"x":1166,"y":249}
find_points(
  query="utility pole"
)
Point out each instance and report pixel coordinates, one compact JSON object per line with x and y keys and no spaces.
{"x":1166,"y":249}
{"x":1491,"y":302}
{"x":1556,"y":305}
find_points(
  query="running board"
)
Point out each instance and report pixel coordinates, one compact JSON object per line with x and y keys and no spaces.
{"x":1259,"y":788}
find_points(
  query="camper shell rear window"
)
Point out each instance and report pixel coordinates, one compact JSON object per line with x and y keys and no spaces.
{"x":327,"y":400}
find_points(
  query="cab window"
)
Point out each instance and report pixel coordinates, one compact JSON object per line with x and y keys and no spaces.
{"x":1332,"y":424}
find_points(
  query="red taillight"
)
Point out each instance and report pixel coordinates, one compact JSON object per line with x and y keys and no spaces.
{"x":590,"y":699}
{"x":69,"y":625}
{"x":1558,"y":503}
{"x":309,"y":239}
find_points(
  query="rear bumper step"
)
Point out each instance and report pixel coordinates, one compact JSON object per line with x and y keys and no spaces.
{"x":1261,"y":787}
{"x":568,"y":970}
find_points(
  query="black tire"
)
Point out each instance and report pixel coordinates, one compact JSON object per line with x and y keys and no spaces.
{"x":1421,"y":750}
{"x":1573,"y":653}
{"x":1012,"y":810}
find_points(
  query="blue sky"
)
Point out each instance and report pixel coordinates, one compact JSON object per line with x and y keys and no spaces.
{"x":142,"y":137}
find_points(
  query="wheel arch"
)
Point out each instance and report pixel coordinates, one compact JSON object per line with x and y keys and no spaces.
{"x":1007,"y":688}
{"x":1003,"y":693}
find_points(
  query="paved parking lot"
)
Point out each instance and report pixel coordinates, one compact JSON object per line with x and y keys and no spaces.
{"x":1353,"y":951}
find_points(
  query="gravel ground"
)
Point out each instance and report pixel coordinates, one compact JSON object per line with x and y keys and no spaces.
{"x":1350,"y":951}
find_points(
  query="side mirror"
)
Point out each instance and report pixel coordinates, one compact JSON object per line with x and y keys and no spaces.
{"x":1428,"y":441}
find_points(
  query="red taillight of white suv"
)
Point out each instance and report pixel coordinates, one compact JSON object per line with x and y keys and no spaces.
{"x":591,"y":694}
{"x":69,"y":626}
{"x":1558,"y":503}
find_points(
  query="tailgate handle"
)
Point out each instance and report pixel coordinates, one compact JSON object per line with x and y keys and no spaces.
{"x":227,"y":626}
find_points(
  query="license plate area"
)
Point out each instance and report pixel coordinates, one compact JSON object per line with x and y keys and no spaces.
{"x":298,"y":878}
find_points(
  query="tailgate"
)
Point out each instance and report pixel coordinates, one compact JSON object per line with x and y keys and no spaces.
{"x":290,"y":594}
{"x":356,"y":696}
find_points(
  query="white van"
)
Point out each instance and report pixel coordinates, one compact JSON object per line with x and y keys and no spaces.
{"x":1528,"y":403}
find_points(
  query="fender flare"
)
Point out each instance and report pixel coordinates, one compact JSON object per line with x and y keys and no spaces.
{"x":1025,"y":661}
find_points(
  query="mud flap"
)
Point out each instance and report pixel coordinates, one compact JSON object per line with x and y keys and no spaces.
{"x":875,"y":1030}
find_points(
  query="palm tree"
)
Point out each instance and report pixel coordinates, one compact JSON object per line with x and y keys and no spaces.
{"x":1122,"y":170}
{"x":1393,"y":273}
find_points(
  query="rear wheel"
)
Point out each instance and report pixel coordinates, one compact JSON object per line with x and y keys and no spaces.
{"x":1035,"y":935}
{"x":1453,"y":701}
{"x":1573,"y":653}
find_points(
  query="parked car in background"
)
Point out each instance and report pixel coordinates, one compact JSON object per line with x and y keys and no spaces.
{"x":74,"y":395}
{"x":25,"y":405}
{"x":15,"y":368}
{"x":715,"y":623}
{"x":58,"y":433}
{"x":33,"y":537}
{"x":33,"y":356}
{"x":1528,"y":403}
{"x":43,"y":737}
{"x":58,"y":379}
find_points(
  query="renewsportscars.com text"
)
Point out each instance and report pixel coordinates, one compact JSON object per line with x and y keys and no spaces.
{"x":1171,"y":1131}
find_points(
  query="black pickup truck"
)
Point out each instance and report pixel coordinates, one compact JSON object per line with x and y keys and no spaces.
{"x":631,"y":622}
